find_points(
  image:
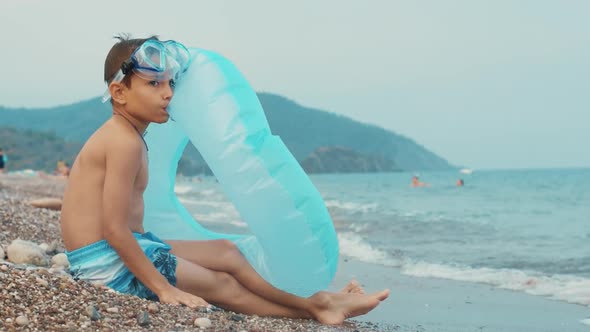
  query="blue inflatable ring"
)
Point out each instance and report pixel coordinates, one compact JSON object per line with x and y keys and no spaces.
{"x":293,"y":244}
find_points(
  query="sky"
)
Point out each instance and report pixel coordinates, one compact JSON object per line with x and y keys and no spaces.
{"x":484,"y":84}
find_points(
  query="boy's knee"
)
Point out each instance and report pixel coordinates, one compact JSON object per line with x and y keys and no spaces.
{"x":230,"y":293}
{"x":228,"y":287}
{"x":228,"y":246}
{"x":230,"y":251}
{"x":225,"y":280}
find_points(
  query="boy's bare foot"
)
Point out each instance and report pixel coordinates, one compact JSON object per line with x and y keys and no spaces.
{"x":334,"y":308}
{"x":353,"y":287}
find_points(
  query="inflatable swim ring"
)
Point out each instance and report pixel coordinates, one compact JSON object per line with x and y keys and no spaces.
{"x":292,"y":241}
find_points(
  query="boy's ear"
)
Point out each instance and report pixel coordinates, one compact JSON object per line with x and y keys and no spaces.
{"x":118,"y":92}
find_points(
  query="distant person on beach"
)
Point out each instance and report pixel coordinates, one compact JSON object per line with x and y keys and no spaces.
{"x":417,"y":183}
{"x":61,"y":172}
{"x":3,"y":161}
{"x":103,"y":210}
{"x":460,"y":183}
{"x":62,"y":169}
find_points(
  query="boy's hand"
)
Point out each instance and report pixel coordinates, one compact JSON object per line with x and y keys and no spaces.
{"x":174,"y":295}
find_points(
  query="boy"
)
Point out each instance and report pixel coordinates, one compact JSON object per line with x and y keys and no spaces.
{"x":102,"y":213}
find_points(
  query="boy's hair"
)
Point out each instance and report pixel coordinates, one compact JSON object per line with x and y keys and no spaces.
{"x":119,"y":53}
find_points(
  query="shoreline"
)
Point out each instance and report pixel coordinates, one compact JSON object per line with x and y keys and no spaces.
{"x":437,"y":304}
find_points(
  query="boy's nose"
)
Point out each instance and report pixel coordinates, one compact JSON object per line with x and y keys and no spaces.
{"x":168,"y":92}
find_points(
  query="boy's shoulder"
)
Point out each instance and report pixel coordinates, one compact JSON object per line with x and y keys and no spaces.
{"x":119,"y":137}
{"x":113,"y":132}
{"x":113,"y":138}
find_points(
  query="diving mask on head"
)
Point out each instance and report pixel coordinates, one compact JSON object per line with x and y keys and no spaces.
{"x":154,"y":60}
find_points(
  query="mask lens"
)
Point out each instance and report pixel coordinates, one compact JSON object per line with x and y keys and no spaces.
{"x":179,"y":53}
{"x":149,"y":57}
{"x":160,"y":60}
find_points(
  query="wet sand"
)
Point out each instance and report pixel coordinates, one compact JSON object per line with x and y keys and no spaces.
{"x":430,"y":304}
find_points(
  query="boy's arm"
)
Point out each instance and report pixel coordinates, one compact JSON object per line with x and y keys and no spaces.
{"x":122,"y":166}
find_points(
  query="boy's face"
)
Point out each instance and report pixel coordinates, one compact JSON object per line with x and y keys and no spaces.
{"x":148,"y":100}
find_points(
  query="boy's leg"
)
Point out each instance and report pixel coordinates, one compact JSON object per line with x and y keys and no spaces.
{"x":323,"y":306}
{"x":225,"y":291}
{"x":224,"y":256}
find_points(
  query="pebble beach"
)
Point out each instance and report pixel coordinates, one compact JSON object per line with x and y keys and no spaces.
{"x":44,"y":297}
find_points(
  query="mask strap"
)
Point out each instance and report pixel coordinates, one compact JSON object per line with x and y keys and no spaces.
{"x":127,"y":66}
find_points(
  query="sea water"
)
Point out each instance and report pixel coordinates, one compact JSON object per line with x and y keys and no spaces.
{"x":525,"y":230}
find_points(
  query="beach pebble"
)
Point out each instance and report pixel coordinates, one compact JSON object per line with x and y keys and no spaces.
{"x":56,"y":270}
{"x":2,"y":254}
{"x":44,"y":246}
{"x":92,"y":312}
{"x":113,"y":310}
{"x":50,"y":248}
{"x":25,"y":252}
{"x":143,"y":319}
{"x":4,"y":268}
{"x":237,"y":318}
{"x":203,"y":322}
{"x":42,"y":282}
{"x":153,"y":308}
{"x":22,"y":320}
{"x":53,"y":247}
{"x":60,"y":260}
{"x":43,"y":272}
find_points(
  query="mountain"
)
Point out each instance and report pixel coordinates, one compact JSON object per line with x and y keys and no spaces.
{"x":75,"y":122}
{"x":345,"y":160}
{"x":26,"y":148}
{"x":303,"y":130}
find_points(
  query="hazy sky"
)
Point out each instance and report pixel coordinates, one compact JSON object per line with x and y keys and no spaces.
{"x":486,"y":84}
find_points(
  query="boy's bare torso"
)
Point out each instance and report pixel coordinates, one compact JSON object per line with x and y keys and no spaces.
{"x":83,"y":207}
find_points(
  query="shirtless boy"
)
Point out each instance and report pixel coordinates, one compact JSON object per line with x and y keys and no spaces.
{"x":102,"y":213}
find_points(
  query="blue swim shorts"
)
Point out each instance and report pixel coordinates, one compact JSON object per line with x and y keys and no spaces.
{"x":99,"y":263}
